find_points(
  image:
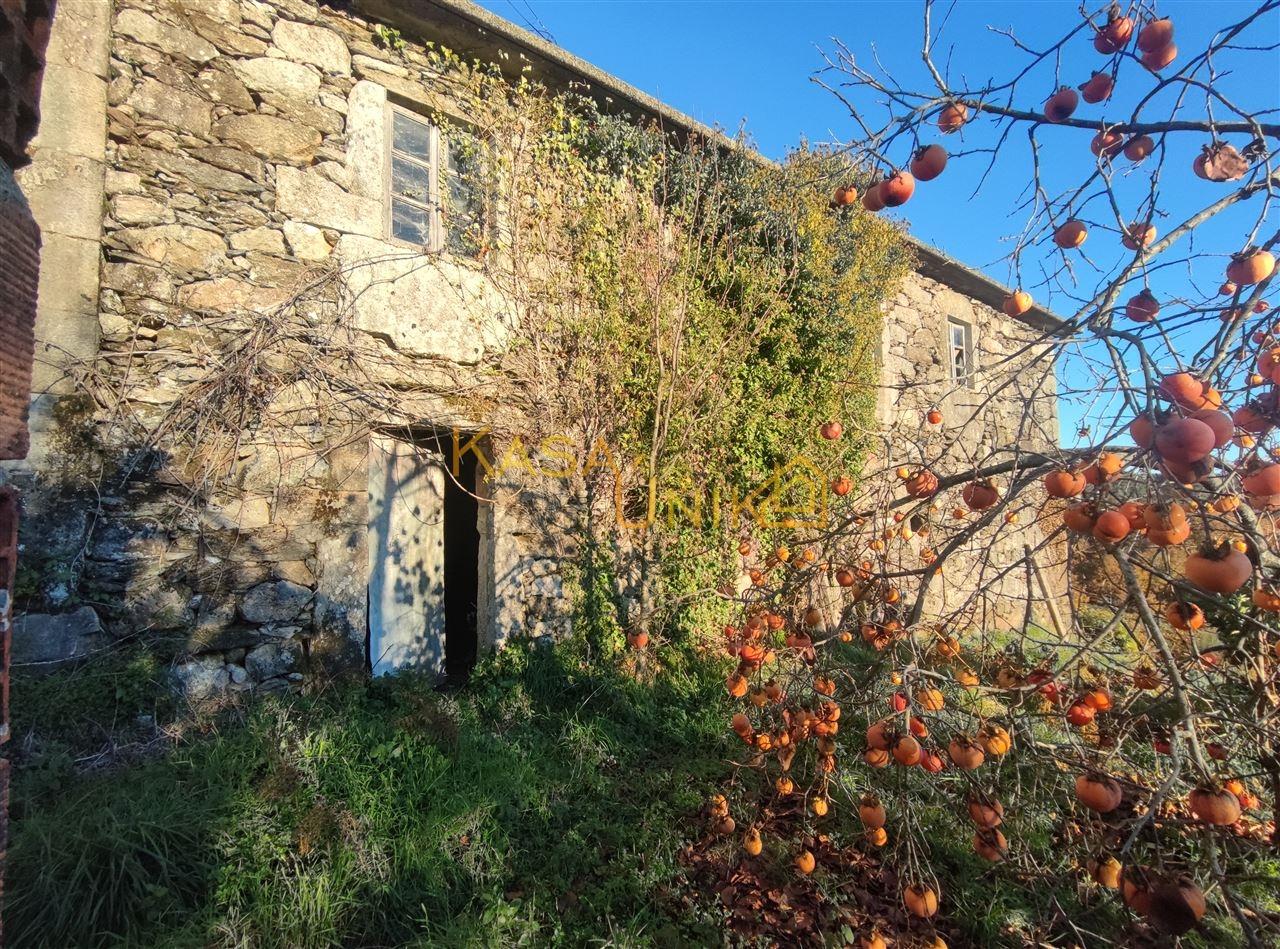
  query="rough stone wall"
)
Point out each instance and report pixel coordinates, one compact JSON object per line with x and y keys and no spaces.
{"x":1010,"y":401}
{"x":243,"y":155}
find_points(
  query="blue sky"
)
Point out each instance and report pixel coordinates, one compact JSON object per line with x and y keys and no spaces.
{"x":726,"y":63}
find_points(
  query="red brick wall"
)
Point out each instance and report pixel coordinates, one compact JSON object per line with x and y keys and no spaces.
{"x":20,"y":251}
{"x":24,"y":35}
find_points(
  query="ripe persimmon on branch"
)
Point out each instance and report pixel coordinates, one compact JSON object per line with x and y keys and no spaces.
{"x":1148,"y":224}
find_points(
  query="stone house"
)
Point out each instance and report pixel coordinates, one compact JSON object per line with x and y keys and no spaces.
{"x":204,"y":158}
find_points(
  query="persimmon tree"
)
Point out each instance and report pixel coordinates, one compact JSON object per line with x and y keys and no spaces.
{"x":1148,"y":727}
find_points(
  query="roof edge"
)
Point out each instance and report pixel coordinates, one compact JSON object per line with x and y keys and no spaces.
{"x":477,"y":31}
{"x":475,"y":34}
{"x":973,"y":283}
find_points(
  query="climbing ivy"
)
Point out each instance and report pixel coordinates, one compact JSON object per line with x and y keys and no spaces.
{"x":688,"y":315}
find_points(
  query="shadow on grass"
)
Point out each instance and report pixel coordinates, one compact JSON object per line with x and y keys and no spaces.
{"x":544,"y":803}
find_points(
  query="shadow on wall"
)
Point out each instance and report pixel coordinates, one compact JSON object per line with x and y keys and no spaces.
{"x":258,"y":581}
{"x":244,"y":593}
{"x":254,"y":592}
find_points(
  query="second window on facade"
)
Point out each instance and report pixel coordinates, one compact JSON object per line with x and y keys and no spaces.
{"x":960,"y":347}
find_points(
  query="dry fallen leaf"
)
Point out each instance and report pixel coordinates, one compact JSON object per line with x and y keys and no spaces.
{"x":1223,"y":163}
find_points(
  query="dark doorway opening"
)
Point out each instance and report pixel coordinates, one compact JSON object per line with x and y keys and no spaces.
{"x":425,"y":555}
{"x":461,"y":563}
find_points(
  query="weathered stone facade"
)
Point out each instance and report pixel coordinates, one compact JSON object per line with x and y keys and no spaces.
{"x":231,"y":145}
{"x":1004,"y":409}
{"x":213,"y":163}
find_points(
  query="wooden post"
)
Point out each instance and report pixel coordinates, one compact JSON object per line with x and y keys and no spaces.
{"x":1049,"y":602}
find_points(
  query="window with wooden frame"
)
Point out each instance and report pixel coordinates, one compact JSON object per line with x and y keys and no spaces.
{"x":960,"y":351}
{"x":439,"y":187}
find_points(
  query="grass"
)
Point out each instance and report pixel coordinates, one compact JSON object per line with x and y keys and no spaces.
{"x":545,"y":804}
{"x":536,"y":807}
{"x":119,"y":694}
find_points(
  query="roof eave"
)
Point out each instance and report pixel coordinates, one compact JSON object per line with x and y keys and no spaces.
{"x":470,"y":30}
{"x":936,"y":265}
